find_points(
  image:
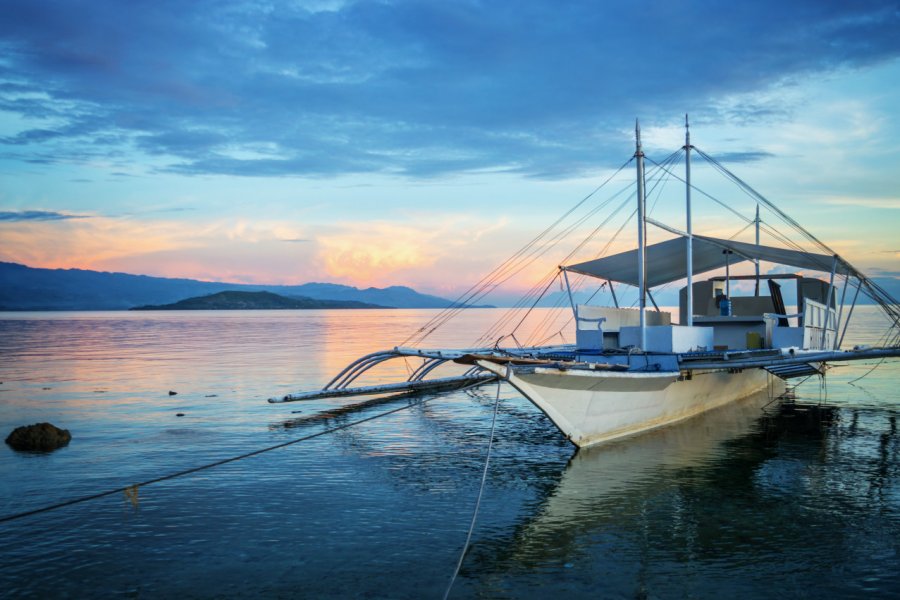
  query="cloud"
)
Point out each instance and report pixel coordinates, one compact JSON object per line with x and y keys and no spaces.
{"x":359,"y":253}
{"x":781,"y":270}
{"x":419,"y":88}
{"x":368,"y":252}
{"x":216,"y":250}
{"x":742,"y":157}
{"x":880,"y":203}
{"x":37,"y":215}
{"x":886,"y":273}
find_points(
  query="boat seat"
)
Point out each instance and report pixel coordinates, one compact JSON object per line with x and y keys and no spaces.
{"x":598,"y":327}
{"x":613,"y":319}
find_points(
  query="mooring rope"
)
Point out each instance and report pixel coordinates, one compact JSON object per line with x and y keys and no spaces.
{"x":867,"y":373}
{"x":131,"y":490}
{"x":487,"y":462}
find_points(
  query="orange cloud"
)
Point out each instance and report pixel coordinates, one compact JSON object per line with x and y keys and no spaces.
{"x":366,"y":253}
{"x":215,"y":251}
{"x":87,"y":243}
{"x":442,"y":254}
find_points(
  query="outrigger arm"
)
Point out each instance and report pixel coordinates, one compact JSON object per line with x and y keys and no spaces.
{"x":339,"y":385}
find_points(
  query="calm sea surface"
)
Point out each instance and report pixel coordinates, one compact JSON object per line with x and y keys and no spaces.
{"x":731,"y":504}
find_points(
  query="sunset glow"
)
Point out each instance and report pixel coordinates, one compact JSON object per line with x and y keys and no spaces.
{"x":421,"y":144}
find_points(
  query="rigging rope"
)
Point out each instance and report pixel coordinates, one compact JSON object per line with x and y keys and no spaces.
{"x":540,"y":332}
{"x":876,"y":292}
{"x":884,"y":299}
{"x":763,"y":227}
{"x":562,"y":299}
{"x":669,"y":160}
{"x":560,"y":302}
{"x":866,"y":374}
{"x":762,"y":199}
{"x":469,"y":296}
{"x":552,"y":273}
{"x":553,"y":235}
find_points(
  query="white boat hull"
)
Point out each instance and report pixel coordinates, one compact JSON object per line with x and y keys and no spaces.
{"x":591,"y":407}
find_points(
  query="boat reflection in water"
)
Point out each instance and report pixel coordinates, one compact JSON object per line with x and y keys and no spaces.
{"x":753,"y":490}
{"x":603,"y":483}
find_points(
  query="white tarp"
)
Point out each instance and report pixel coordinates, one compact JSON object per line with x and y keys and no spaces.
{"x":667,"y":261}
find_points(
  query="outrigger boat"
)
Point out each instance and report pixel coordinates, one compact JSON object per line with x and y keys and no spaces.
{"x":632,"y":369}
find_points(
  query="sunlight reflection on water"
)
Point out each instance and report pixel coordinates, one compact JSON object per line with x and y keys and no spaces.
{"x":723,"y":504}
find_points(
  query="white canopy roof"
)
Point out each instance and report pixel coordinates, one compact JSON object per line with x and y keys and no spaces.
{"x":667,"y":261}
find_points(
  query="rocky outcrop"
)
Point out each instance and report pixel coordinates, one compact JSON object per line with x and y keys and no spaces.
{"x":40,"y":436}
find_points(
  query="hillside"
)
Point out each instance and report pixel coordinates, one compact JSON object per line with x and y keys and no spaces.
{"x":231,"y":300}
{"x":26,"y":288}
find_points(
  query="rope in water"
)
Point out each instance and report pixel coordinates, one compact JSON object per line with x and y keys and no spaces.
{"x":867,"y":373}
{"x":487,"y":462}
{"x":131,"y":490}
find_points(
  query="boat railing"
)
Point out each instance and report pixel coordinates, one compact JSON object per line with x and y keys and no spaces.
{"x":817,"y":329}
{"x":819,"y":325}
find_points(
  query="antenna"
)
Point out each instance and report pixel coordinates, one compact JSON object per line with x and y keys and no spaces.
{"x":642,"y":294}
{"x":690,"y":234}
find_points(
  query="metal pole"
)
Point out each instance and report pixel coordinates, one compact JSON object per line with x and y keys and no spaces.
{"x":757,"y":243}
{"x":841,"y":309}
{"x":850,"y":312}
{"x":613,"y":292}
{"x":569,"y":290}
{"x":727,"y":253}
{"x":690,"y":236}
{"x":642,"y":293}
{"x":828,"y":301}
{"x":652,"y":301}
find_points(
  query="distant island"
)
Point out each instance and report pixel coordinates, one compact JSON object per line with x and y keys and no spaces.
{"x":232,"y":300}
{"x":28,"y":288}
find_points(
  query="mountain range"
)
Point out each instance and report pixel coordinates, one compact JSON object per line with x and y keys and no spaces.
{"x":27,"y":288}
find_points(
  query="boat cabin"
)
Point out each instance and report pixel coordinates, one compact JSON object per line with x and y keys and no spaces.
{"x":720,"y":320}
{"x":759,"y":321}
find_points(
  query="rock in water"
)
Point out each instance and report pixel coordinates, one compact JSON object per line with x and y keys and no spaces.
{"x":40,"y":436}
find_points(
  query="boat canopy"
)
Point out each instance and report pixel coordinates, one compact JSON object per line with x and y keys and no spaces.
{"x":667,"y":261}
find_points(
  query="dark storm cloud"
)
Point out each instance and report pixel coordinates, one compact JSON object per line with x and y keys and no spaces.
{"x":418,"y":88}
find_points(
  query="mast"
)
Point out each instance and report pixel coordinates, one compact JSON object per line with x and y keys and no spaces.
{"x":690,"y":236}
{"x":757,"y":243}
{"x":642,"y":294}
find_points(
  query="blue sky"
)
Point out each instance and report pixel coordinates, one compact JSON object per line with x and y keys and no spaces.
{"x":419,"y":143}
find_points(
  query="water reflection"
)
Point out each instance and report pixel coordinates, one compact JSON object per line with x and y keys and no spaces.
{"x":726,"y":502}
{"x":600,"y":483}
{"x":727,"y":494}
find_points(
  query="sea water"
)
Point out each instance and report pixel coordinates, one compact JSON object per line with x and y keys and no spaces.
{"x":732,"y":503}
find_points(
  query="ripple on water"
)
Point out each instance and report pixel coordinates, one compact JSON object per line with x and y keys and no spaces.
{"x":727,"y":504}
